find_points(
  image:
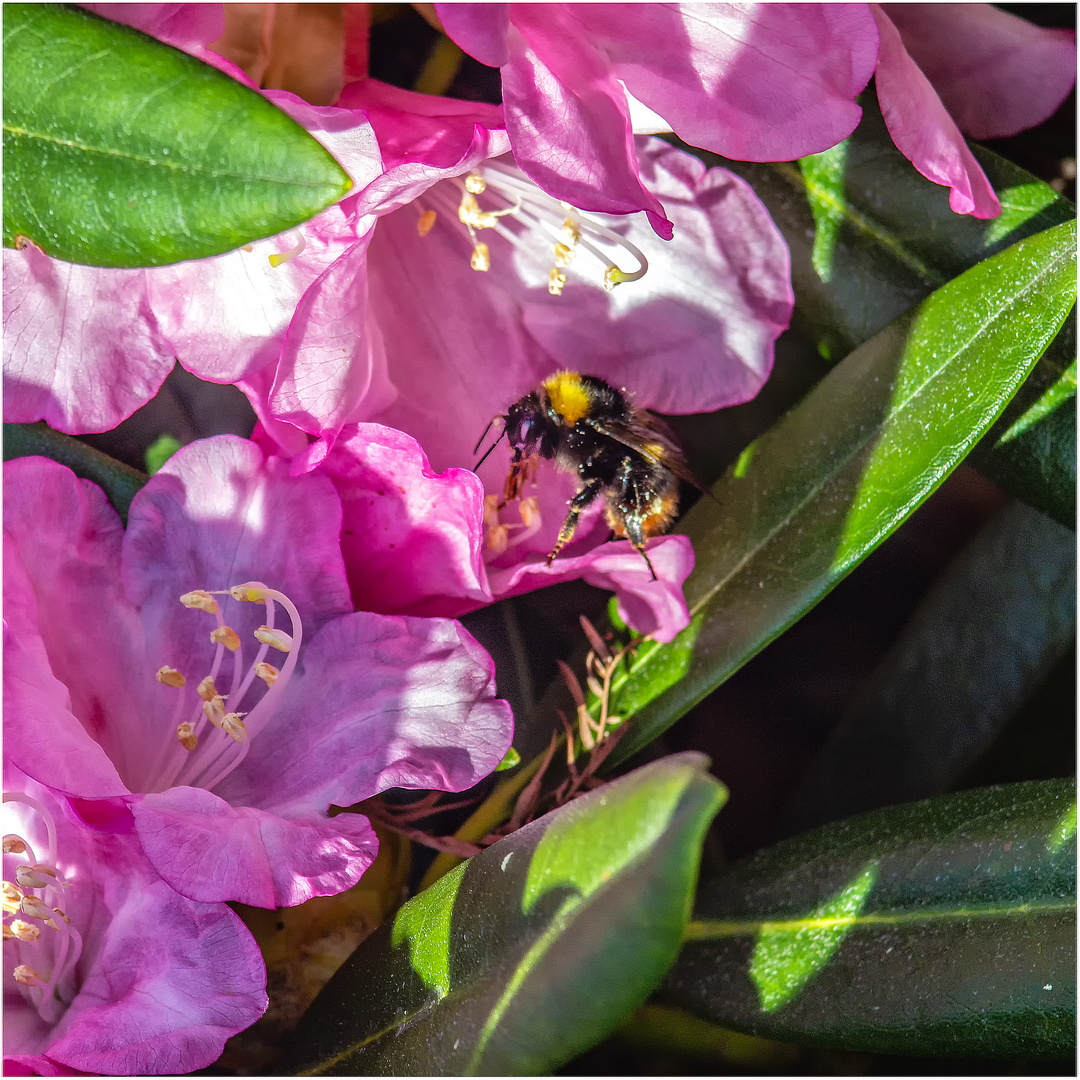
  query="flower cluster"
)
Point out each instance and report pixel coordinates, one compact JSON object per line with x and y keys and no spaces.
{"x":273,"y":634}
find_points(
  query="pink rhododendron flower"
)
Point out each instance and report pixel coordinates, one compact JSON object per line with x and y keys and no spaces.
{"x":131,"y":978}
{"x":695,"y":332}
{"x":757,"y":82}
{"x":149,"y":715}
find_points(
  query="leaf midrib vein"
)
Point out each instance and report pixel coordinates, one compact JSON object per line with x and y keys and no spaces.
{"x":713,"y":929}
{"x":176,"y":166}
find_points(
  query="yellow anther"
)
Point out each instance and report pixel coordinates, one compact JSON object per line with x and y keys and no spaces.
{"x":27,"y":976}
{"x":169,"y":676}
{"x":556,"y":281}
{"x":24,"y":931}
{"x":215,"y":710}
{"x":530,"y":510}
{"x":475,"y":184}
{"x":200,"y":600}
{"x":57,"y":911}
{"x":276,"y":639}
{"x":614,"y":276}
{"x":481,"y":257}
{"x":564,"y":254}
{"x":11,"y":897}
{"x":35,"y":877}
{"x":35,"y":908}
{"x":570,"y":234}
{"x":251,"y":591}
{"x":186,"y":734}
{"x":491,"y":509}
{"x":233,"y":726}
{"x":470,"y":214}
{"x":498,"y":538}
{"x":267,"y":672}
{"x":426,"y":222}
{"x":7,"y":932}
{"x":206,"y":689}
{"x":227,"y":636}
{"x":14,"y":845}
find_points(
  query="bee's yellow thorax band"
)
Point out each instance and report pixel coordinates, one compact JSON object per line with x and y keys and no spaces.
{"x":568,"y":396}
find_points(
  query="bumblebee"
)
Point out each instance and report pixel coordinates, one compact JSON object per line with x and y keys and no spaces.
{"x":619,"y":453}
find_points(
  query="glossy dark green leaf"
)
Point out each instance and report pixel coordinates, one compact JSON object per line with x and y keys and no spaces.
{"x":814,"y":495}
{"x":980,"y":643}
{"x":870,"y":237}
{"x":122,"y":151}
{"x":533,"y":950}
{"x":941,"y":927}
{"x":120,"y":482}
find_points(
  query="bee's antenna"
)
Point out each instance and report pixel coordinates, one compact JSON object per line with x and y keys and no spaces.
{"x":492,"y":446}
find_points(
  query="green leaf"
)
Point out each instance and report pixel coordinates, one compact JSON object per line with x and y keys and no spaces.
{"x":870,"y":237}
{"x":510,"y":761}
{"x":812,"y":497}
{"x":122,"y":151}
{"x":120,"y":482}
{"x":159,"y":451}
{"x":533,"y":950}
{"x":941,"y":927}
{"x":979,"y":645}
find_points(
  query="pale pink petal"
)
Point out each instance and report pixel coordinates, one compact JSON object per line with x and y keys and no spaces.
{"x":569,"y":122}
{"x":208,"y":850}
{"x":186,"y":26}
{"x":395,"y":701}
{"x":62,"y":590}
{"x":332,"y":360}
{"x":479,"y":29}
{"x":755,"y":82}
{"x":697,"y":332}
{"x":650,"y":607}
{"x":924,"y":132}
{"x":82,"y":345}
{"x":422,"y":139}
{"x":219,"y":514}
{"x":411,"y":537}
{"x":995,"y":72}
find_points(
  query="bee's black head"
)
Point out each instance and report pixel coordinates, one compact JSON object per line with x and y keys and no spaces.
{"x":524,"y":424}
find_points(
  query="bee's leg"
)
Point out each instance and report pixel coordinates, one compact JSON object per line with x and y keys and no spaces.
{"x":578,"y":503}
{"x":515,"y":479}
{"x":636,"y":537}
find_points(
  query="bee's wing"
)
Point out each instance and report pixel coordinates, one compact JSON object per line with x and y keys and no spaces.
{"x":649,"y":436}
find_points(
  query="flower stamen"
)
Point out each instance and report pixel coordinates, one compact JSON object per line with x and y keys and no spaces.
{"x":570,"y":231}
{"x":33,"y":899}
{"x":209,"y":758}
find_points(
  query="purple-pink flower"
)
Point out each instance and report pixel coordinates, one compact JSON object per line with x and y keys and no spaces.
{"x":153,"y":715}
{"x":106,"y":968}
